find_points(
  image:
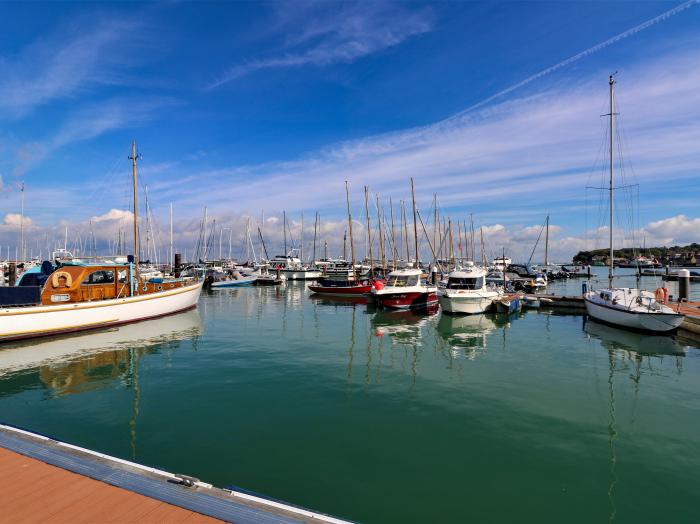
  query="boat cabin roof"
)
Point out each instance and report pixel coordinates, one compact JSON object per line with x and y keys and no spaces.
{"x":405,"y":272}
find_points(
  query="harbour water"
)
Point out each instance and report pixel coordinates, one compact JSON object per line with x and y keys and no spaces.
{"x":382,"y":417}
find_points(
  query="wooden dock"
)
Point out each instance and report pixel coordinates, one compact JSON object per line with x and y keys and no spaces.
{"x":45,"y":480}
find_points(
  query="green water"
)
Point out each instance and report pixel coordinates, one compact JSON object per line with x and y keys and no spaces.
{"x":382,"y":417}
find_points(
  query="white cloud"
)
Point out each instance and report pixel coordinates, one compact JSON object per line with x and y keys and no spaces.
{"x":114,"y":214}
{"x":14,"y":220}
{"x":679,"y":229}
{"x":332,"y":33}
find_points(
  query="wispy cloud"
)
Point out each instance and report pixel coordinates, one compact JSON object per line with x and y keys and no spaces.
{"x":322,"y":34}
{"x":74,"y":58}
{"x":526,"y":148}
{"x":88,"y":122}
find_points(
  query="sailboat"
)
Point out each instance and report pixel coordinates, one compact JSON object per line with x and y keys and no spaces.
{"x":404,"y":288}
{"x":629,"y":308}
{"x":343,"y":283}
{"x":71,"y":296}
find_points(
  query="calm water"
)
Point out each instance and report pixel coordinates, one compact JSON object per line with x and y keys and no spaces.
{"x":383,"y":417}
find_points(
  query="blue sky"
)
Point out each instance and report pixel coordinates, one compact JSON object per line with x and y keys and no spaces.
{"x":246,"y":107}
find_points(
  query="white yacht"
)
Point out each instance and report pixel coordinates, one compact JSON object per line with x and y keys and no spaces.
{"x":629,"y":308}
{"x":291,"y":268}
{"x":466,"y":291}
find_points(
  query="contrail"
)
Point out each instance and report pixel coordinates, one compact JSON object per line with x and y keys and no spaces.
{"x":610,"y":41}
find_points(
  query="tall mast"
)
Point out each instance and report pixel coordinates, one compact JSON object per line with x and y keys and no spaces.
{"x":284,"y":226}
{"x":133,"y":159}
{"x":546,"y":244}
{"x":611,"y":83}
{"x":405,"y":231}
{"x":381,"y":237}
{"x":352,"y":244}
{"x":471,"y":228}
{"x":301,"y":247}
{"x":415,"y":221}
{"x":393,"y":236}
{"x":369,"y":233}
{"x":171,"y":235}
{"x":483,"y":254}
{"x":22,"y":251}
{"x":315,"y":234}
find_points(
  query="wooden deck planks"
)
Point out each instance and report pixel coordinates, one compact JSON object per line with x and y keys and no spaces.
{"x":35,"y":492}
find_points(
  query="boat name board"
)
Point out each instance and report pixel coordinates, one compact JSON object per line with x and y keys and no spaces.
{"x":60,"y":298}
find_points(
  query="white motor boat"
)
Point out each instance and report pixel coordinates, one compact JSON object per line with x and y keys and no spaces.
{"x":631,"y":308}
{"x":466,"y":291}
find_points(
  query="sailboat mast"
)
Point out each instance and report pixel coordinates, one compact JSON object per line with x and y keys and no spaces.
{"x":171,"y":237}
{"x":284,"y":226}
{"x":21,"y":224}
{"x":415,"y":221}
{"x":611,"y":83}
{"x":369,"y":233}
{"x":352,"y":244}
{"x":381,"y":237}
{"x":133,"y":158}
{"x":546,"y":244}
{"x":315,"y":234}
{"x":393,"y":236}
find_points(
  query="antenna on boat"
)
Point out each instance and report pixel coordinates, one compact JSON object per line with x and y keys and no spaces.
{"x":134,"y":157}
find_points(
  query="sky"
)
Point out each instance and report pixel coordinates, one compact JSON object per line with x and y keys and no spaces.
{"x":252,"y":108}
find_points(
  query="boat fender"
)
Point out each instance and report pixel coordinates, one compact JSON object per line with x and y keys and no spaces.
{"x":661,"y":295}
{"x":378,"y":284}
{"x":61,"y":274}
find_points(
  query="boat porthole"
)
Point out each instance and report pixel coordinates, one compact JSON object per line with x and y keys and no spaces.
{"x":160,"y":288}
{"x":172,"y":285}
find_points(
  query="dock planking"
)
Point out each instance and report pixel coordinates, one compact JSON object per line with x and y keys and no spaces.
{"x":46,"y":480}
{"x":39,"y":492}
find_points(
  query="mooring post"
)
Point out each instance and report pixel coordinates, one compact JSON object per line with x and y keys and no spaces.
{"x":177,"y":265}
{"x":683,"y":285}
{"x":12,"y":274}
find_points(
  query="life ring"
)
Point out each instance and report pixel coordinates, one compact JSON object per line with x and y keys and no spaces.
{"x":61,"y":274}
{"x":660,"y":295}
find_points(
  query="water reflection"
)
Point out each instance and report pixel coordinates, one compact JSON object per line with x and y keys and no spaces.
{"x":70,"y":364}
{"x":466,"y":335}
{"x":641,"y":343}
{"x":403,"y":326}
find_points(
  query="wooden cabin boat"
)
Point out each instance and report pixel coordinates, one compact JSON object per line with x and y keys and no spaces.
{"x":74,"y":296}
{"x":88,"y":296}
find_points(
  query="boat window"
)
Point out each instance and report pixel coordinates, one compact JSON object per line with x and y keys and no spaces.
{"x":465,"y":283}
{"x":403,"y":281}
{"x":101,"y":276}
{"x":122,"y":276}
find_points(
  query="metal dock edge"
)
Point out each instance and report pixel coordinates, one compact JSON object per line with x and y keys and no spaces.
{"x":202,"y":498}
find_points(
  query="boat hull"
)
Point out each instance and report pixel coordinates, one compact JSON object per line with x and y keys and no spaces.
{"x":234,"y":283}
{"x":341,"y":291}
{"x":292,"y":274}
{"x":508,"y":306}
{"x":407,"y":299}
{"x":650,"y":322}
{"x":40,"y":321}
{"x":466,"y":305}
